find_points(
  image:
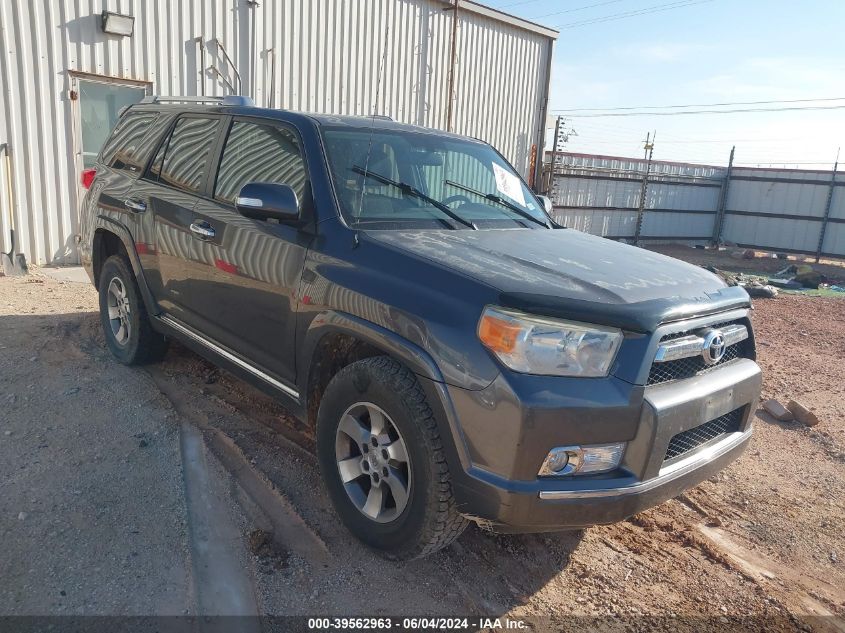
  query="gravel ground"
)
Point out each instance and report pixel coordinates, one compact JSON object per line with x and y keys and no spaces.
{"x":759,"y":547}
{"x":92,"y":508}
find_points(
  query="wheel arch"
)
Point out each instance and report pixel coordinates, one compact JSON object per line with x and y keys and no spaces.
{"x":336,"y":339}
{"x":112,"y":238}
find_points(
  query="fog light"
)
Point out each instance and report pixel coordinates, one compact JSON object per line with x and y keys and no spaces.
{"x":582,"y":460}
{"x":558,"y":460}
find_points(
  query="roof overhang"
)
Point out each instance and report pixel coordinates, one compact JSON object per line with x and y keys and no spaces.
{"x":507,"y":18}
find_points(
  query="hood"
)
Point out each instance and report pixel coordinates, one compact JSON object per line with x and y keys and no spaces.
{"x":567,"y":273}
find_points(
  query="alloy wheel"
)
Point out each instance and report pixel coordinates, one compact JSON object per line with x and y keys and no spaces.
{"x":373,"y":462}
{"x":119,"y":311}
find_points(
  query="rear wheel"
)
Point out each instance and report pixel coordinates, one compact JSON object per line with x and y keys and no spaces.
{"x":126,"y":325}
{"x":383,"y":462}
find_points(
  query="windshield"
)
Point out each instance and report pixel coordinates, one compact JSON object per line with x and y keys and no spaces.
{"x":395,"y":179}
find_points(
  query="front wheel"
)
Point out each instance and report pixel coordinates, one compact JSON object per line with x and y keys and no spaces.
{"x":383,"y":461}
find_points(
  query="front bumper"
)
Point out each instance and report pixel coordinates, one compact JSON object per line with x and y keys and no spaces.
{"x":511,"y":501}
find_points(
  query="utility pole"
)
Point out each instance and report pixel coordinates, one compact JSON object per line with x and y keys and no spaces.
{"x":554,"y":143}
{"x":723,"y":201}
{"x":647,"y":146}
{"x":649,"y":152}
{"x":827,"y":207}
{"x":561,"y":137}
{"x":453,"y":53}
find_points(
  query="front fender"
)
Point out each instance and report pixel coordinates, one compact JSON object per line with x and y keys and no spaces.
{"x":411,"y":355}
{"x":406,"y":352}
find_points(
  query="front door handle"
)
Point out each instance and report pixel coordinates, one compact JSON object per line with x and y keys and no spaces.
{"x":133,"y":204}
{"x":202,"y":229}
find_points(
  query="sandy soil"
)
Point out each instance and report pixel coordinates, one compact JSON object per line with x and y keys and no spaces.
{"x":763,"y":263}
{"x":760,"y":547}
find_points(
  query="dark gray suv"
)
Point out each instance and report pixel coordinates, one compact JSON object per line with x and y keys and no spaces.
{"x":460,"y":355}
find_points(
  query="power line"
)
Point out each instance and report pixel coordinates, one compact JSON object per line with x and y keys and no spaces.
{"x":700,"y":105}
{"x":589,"y":6}
{"x":681,"y":112}
{"x":515,"y":4}
{"x":630,"y":14}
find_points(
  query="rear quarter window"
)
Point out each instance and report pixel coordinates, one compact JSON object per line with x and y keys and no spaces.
{"x":131,"y":143}
{"x":183,"y":160}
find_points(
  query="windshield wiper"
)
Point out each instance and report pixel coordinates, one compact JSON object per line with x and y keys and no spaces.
{"x":408,"y":190}
{"x":499,"y":200}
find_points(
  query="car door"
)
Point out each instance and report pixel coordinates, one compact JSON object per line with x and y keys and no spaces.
{"x":168,"y":192}
{"x":120,"y":163}
{"x":253,"y":266}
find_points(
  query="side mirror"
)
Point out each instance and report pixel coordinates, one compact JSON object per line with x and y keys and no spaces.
{"x":547,"y":203}
{"x":267,"y":200}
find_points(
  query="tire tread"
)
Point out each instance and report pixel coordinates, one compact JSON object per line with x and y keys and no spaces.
{"x":443,"y":523}
{"x":151,"y":346}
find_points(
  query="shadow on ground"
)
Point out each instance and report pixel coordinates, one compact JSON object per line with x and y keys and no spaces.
{"x":480,"y":573}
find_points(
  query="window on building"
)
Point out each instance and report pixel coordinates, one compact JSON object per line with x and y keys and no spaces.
{"x":259,"y":153}
{"x":183,"y":163}
{"x":100,"y":103}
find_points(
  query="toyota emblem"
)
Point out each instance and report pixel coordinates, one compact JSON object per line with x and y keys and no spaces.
{"x":713,"y":349}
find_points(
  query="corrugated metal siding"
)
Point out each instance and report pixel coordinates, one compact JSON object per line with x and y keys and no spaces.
{"x":325,"y":55}
{"x":773,"y":191}
{"x":600,"y":194}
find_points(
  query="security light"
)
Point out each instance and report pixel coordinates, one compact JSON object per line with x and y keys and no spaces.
{"x":117,"y":23}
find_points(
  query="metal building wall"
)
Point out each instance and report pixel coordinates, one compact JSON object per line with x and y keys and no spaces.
{"x":312,"y":55}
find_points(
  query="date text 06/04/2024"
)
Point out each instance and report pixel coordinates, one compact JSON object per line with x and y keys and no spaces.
{"x":413,"y":623}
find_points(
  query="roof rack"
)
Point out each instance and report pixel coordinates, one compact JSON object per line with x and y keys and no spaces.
{"x":228,"y":100}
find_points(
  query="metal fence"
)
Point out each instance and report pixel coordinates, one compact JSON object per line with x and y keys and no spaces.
{"x":784,"y":210}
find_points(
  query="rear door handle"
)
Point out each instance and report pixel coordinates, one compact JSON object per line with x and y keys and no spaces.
{"x":133,"y":204}
{"x":202,"y":229}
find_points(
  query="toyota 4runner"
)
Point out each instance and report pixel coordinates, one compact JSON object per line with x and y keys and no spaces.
{"x":460,"y":356}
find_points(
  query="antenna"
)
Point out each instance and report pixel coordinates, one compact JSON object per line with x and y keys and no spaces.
{"x":374,"y":117}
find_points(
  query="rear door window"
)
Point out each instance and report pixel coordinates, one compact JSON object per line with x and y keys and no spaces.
{"x":256,"y":152}
{"x":182,"y":161}
{"x":131,"y":143}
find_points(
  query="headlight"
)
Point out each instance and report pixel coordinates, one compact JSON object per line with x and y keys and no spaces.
{"x":535,"y":345}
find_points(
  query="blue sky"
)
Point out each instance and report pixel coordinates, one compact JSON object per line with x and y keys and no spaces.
{"x":708,"y":52}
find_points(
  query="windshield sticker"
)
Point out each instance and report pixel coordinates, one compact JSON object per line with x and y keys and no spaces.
{"x":508,"y":184}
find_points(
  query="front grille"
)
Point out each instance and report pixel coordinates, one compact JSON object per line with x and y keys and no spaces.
{"x":693,"y":438}
{"x":694,"y":365}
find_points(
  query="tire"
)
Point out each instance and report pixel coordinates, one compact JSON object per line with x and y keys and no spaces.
{"x":129,"y":336}
{"x":429,"y":519}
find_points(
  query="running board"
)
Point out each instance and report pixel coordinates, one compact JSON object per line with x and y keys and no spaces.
{"x":220,"y":351}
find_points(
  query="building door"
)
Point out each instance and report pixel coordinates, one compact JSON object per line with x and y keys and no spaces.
{"x":99,"y":104}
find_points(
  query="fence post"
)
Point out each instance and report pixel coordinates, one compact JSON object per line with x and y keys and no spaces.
{"x":723,"y":201}
{"x":643,"y":193}
{"x":827,"y":207}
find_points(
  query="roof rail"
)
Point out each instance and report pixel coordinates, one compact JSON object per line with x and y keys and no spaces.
{"x":228,"y":100}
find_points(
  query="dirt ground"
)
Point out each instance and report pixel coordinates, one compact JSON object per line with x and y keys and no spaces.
{"x":760,"y":547}
{"x":762,"y":264}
